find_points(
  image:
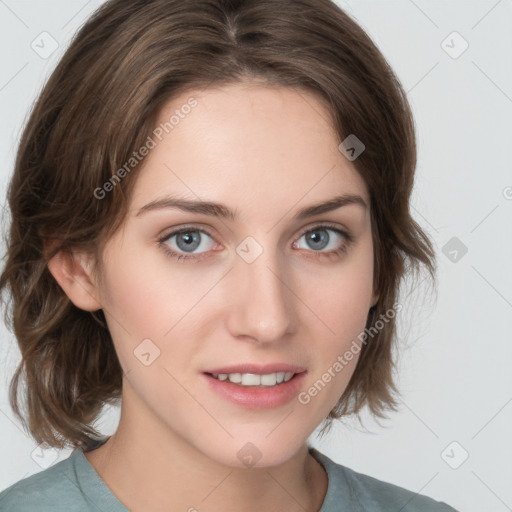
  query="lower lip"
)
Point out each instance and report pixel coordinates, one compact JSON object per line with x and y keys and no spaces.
{"x":256,"y":397}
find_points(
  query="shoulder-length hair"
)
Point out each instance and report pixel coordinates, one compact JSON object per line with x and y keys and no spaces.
{"x":101,"y":104}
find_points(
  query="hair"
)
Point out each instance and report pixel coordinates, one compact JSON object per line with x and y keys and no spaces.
{"x":101,"y":104}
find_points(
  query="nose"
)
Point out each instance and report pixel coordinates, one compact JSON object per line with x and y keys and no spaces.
{"x":262,"y":305}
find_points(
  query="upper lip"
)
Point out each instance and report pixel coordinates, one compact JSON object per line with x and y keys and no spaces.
{"x":258,"y":369}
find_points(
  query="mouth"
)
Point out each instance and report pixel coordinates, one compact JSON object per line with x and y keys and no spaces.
{"x":257,"y":387}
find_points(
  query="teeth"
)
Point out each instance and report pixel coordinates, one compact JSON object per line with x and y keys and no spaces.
{"x":251,"y":379}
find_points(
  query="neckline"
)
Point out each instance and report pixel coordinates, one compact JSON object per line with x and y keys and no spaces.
{"x":103,"y":495}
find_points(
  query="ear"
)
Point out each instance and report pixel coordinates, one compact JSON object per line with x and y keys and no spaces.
{"x":73,"y":272}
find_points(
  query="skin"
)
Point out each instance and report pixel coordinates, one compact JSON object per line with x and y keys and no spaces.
{"x":265,"y":152}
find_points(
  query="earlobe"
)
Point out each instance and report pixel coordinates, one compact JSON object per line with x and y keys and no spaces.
{"x":72,"y":272}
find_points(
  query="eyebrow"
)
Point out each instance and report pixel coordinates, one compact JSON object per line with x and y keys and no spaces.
{"x":222,"y":211}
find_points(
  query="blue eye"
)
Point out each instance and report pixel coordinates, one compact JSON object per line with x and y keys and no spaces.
{"x":320,"y":238}
{"x":187,"y":240}
{"x":190,"y":243}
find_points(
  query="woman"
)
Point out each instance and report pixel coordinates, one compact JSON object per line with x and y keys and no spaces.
{"x":210,"y":222}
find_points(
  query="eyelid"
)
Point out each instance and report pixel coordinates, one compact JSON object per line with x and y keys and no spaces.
{"x":183,"y":229}
{"x":331,"y":225}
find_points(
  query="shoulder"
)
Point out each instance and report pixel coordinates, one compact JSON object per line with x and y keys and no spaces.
{"x":385,"y":496}
{"x":55,"y":488}
{"x":372,"y":495}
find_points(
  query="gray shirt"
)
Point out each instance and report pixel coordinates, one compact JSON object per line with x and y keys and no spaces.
{"x":73,"y":485}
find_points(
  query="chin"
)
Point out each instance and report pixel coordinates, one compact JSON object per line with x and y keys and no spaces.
{"x":259,"y":450}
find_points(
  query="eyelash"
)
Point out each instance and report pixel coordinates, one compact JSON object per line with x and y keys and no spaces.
{"x":328,"y":227}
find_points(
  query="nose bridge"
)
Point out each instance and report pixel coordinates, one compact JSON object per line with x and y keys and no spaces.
{"x":262,"y":305}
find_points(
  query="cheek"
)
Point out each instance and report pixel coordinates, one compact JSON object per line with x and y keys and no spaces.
{"x":133,"y":305}
{"x":149,"y":298}
{"x":141,"y":288}
{"x":342,"y":297}
{"x":340,"y":311}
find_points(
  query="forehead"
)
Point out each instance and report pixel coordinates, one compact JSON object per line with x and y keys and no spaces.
{"x":264,"y":144}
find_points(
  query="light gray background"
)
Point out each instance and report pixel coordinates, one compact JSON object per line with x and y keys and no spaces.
{"x":455,"y":358}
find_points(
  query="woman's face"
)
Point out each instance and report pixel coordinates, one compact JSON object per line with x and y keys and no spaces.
{"x":264,"y":279}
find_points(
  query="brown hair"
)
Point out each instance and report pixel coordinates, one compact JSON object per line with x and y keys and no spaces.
{"x":100,"y":105}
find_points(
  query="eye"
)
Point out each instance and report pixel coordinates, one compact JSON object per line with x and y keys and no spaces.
{"x":324,"y":238}
{"x":179,"y":244}
{"x":189,"y":243}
